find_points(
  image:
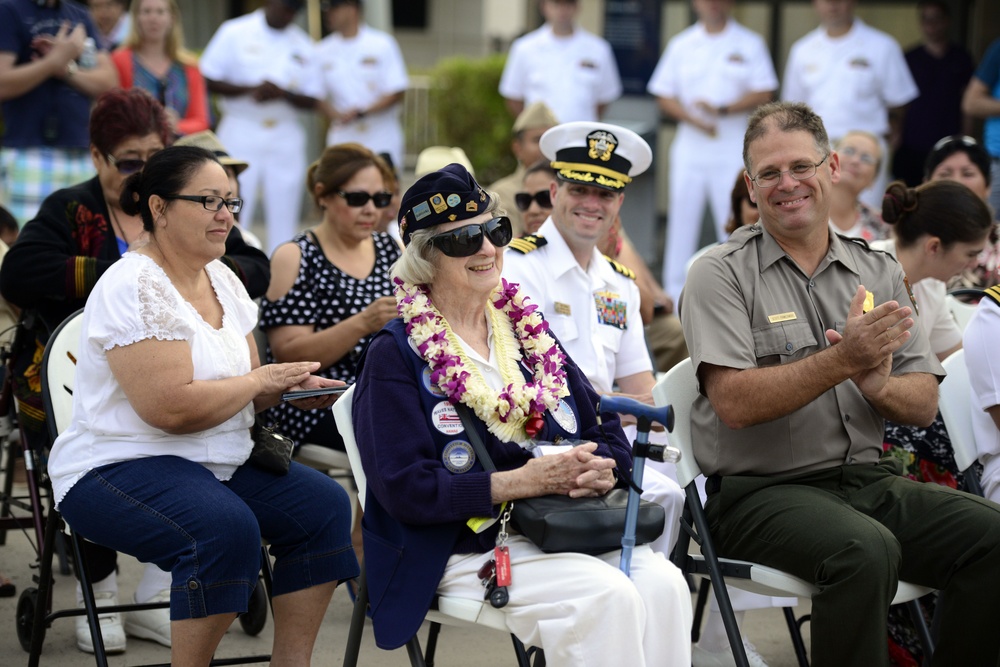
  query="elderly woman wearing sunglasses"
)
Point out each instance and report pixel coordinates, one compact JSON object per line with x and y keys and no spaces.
{"x":78,"y":234}
{"x":330,"y":287}
{"x":468,"y":340}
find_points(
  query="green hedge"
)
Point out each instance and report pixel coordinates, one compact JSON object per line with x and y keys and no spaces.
{"x":469,"y":112}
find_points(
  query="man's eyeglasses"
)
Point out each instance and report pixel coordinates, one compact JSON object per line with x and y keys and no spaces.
{"x":127,"y":166}
{"x":466,"y":241}
{"x":359,"y":199}
{"x":213,"y":203}
{"x":864,"y":158}
{"x":800,"y":172}
{"x":523,"y":199}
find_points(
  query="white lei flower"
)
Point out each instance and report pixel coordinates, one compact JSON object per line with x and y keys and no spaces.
{"x":515,"y":413}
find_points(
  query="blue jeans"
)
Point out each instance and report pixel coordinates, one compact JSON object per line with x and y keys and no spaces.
{"x":175,"y":513}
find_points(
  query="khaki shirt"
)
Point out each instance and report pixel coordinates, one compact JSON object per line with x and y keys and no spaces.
{"x":507,"y":187}
{"x":746,"y":304}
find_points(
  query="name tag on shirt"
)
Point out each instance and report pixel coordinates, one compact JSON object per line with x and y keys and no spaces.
{"x":782,"y":317}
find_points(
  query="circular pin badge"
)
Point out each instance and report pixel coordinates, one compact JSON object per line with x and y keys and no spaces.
{"x":565,"y":417}
{"x":453,"y":200}
{"x":430,"y":386}
{"x":446,"y":419}
{"x":458,"y":456}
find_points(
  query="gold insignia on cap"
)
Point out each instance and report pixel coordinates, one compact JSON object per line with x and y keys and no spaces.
{"x":452,"y":217}
{"x":471,"y":206}
{"x":438,"y":203}
{"x":601,"y":145}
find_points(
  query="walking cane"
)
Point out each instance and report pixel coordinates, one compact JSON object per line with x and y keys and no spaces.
{"x":642,"y":449}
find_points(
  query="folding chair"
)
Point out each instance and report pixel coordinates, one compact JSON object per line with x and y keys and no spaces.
{"x":33,"y":617}
{"x":679,"y":388}
{"x":962,"y":304}
{"x":955,"y":404}
{"x":446,"y":610}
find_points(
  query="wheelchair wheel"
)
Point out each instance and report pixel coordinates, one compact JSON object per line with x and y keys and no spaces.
{"x":25,"y":617}
{"x":253,"y":621}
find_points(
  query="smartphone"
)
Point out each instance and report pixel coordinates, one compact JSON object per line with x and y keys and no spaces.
{"x":309,"y":393}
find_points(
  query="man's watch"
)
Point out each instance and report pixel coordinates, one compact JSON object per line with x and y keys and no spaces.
{"x":723,"y":110}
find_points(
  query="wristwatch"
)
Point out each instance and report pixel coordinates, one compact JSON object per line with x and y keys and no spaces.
{"x":723,"y":110}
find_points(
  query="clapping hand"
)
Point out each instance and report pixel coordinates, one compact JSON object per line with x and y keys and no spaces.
{"x":869,"y":339}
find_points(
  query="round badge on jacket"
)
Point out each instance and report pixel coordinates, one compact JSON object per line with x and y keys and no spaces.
{"x":458,"y":456}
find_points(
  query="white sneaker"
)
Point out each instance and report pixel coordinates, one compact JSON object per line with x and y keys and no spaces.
{"x":111,"y":627}
{"x":152,"y":624}
{"x":702,"y":658}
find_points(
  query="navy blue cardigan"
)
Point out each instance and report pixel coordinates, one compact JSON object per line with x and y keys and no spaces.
{"x":416,"y":508}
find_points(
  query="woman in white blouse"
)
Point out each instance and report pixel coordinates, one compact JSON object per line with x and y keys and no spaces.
{"x":154,"y":463}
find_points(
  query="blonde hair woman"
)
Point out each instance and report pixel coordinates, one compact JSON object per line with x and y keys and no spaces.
{"x":153,"y":58}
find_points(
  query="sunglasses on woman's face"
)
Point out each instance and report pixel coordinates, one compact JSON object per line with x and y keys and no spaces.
{"x":466,"y":241}
{"x":126,"y":166}
{"x":359,"y":199}
{"x":523,"y":199}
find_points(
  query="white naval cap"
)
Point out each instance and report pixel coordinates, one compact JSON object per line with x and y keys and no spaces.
{"x":598,"y":154}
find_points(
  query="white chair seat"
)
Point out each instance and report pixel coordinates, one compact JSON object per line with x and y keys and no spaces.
{"x":474,"y":612}
{"x":769,"y":581}
{"x":322,"y":458}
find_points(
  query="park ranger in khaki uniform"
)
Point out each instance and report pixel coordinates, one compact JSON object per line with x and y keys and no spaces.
{"x":803,"y":342}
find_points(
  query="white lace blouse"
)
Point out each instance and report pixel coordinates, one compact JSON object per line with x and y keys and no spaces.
{"x":133,"y":301}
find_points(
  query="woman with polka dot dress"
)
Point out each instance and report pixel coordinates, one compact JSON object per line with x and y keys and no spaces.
{"x":330,"y":286}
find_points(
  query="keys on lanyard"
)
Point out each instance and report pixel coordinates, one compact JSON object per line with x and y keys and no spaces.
{"x":495,"y":573}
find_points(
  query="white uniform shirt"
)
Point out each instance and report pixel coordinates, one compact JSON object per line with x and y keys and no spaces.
{"x":356,"y":72}
{"x":573,"y":75}
{"x":851,"y":81}
{"x":981,"y":339}
{"x":246,"y":51}
{"x":134,"y":301}
{"x":716,"y":68}
{"x":933,"y":314}
{"x":568,"y":297}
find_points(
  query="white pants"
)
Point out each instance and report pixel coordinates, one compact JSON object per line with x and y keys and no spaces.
{"x":582,"y":610}
{"x":277,"y":157}
{"x":695,"y":182}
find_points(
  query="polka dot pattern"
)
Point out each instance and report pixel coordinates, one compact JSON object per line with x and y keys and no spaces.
{"x":323,"y":296}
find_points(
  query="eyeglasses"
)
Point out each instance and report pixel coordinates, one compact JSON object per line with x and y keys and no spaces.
{"x":963,"y":139}
{"x":864,"y":158}
{"x":359,"y":199}
{"x":800,"y":172}
{"x":466,"y":241}
{"x":128,"y":166}
{"x":523,"y":199}
{"x":213,"y":203}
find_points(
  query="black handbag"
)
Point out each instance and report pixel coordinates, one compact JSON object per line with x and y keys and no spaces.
{"x":271,"y":450}
{"x":585,"y":525}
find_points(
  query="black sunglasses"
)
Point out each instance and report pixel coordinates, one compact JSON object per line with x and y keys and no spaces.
{"x":466,"y":241}
{"x":359,"y":199}
{"x":524,"y":199}
{"x":128,"y":166}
